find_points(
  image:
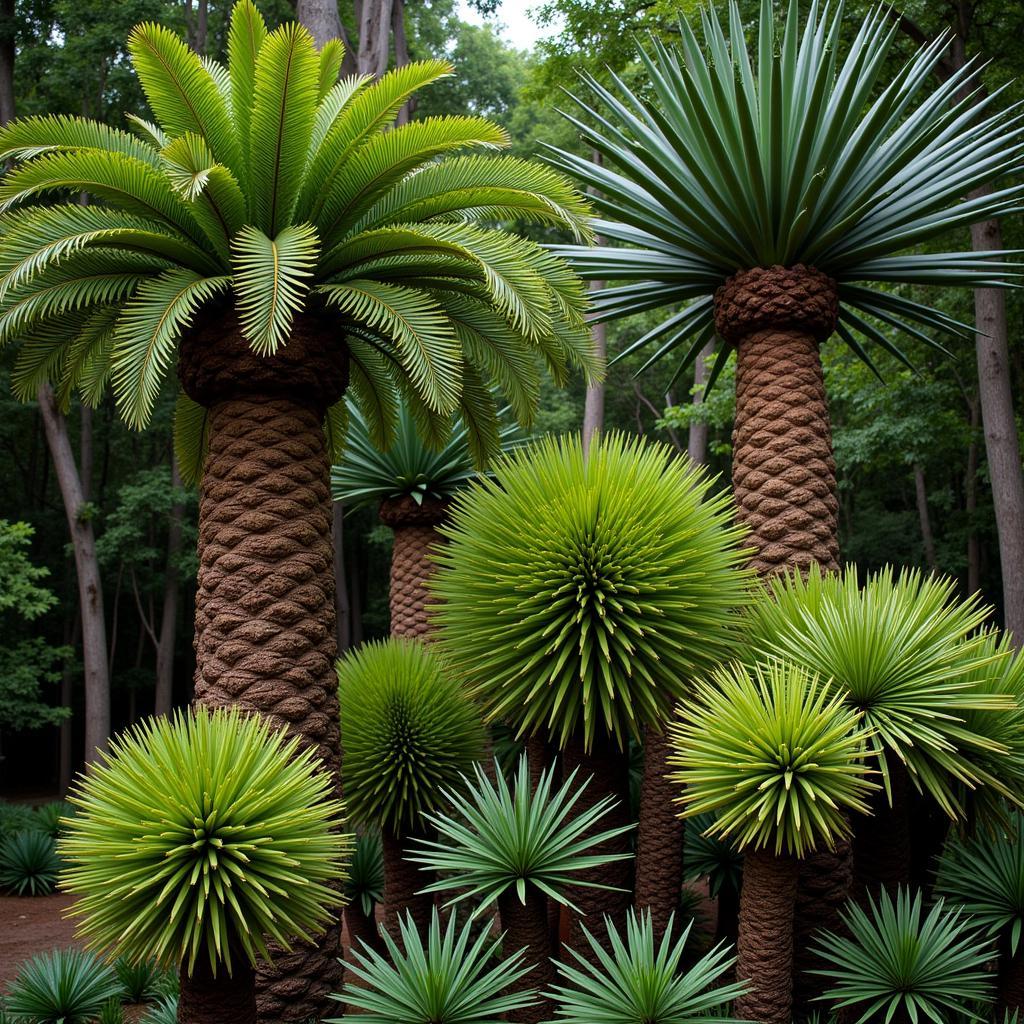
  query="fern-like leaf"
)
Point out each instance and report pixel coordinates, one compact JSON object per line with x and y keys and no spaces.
{"x":29,"y":137}
{"x":191,"y":438}
{"x":245,"y":38}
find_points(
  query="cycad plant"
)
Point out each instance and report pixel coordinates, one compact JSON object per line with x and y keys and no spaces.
{"x":518,"y":847}
{"x":985,"y":875}
{"x":198,"y":840}
{"x":777,"y":759}
{"x":443,"y":973}
{"x":29,"y":864}
{"x":905,"y":652}
{"x":578,"y":596}
{"x":766,"y":203}
{"x":643,"y":978}
{"x":274,"y":235}
{"x":409,"y":732}
{"x":411,"y":485}
{"x":896,"y":963}
{"x":64,"y":986}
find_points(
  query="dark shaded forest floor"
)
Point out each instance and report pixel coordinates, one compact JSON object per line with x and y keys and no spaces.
{"x":30,"y":925}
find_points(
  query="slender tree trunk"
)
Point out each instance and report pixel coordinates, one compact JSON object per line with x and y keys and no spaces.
{"x":593,"y":402}
{"x":881,"y":845}
{"x":90,"y":588}
{"x":321,"y":18}
{"x":924,"y":516}
{"x":526,"y":927}
{"x":374,"y":37}
{"x":697,"y":445}
{"x":402,"y":881}
{"x":659,"y":848}
{"x":607,"y":768}
{"x":218,"y":999}
{"x":415,"y":538}
{"x":164,"y":697}
{"x":971,"y":504}
{"x":343,"y":611}
{"x":765,"y":950}
{"x":72,"y":637}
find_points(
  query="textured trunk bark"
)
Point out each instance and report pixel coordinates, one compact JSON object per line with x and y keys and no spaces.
{"x":90,"y":588}
{"x":362,"y":928}
{"x":659,"y":847}
{"x":220,"y":999}
{"x":971,"y":504}
{"x":607,"y":767}
{"x":765,"y":950}
{"x":536,"y":758}
{"x":164,"y":697}
{"x":881,"y":845}
{"x":412,"y":565}
{"x":402,"y":881}
{"x":526,"y":927}
{"x":374,"y":37}
{"x":265,"y":595}
{"x":1010,"y":991}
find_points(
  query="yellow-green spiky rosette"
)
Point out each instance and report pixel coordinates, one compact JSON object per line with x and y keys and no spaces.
{"x":773,"y":755}
{"x":409,"y":731}
{"x":583,"y":593}
{"x":203,"y":836}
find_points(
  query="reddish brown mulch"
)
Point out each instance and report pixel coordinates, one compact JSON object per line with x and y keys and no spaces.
{"x":30,"y":925}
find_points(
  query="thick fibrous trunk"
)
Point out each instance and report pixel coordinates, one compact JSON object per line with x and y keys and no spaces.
{"x":402,"y":881}
{"x":881,"y":845}
{"x":765,"y":948}
{"x":659,"y":848}
{"x":607,"y":768}
{"x":221,"y":999}
{"x":412,"y":565}
{"x":526,"y":927}
{"x":265,"y":636}
{"x":362,"y":928}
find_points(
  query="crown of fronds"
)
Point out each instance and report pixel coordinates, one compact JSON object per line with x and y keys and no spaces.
{"x":583,"y":593}
{"x":408,"y":730}
{"x":203,"y":836}
{"x":641,"y":979}
{"x":367,"y":474}
{"x":985,"y":874}
{"x":494,"y":838}
{"x":453,"y":973}
{"x":774,"y":755}
{"x":797,"y":156}
{"x":270,"y":181}
{"x":906,"y":652}
{"x":896,"y":961}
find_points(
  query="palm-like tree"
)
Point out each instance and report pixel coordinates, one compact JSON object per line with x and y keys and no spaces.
{"x":276,"y":237}
{"x":777,"y":759}
{"x":767,"y":204}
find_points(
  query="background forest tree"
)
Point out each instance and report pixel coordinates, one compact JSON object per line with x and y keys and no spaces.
{"x":914,"y":476}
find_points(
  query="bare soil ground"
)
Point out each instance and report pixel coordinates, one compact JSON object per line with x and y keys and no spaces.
{"x":30,"y":925}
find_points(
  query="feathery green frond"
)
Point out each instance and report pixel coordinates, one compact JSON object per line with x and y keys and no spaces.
{"x":30,"y":137}
{"x":246,"y":35}
{"x":191,"y":438}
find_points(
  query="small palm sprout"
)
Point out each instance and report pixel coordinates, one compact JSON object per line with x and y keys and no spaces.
{"x":65,"y":985}
{"x":29,"y":864}
{"x":409,"y":732}
{"x":364,"y":889}
{"x":708,"y":856}
{"x":900,"y":964}
{"x":777,"y":759}
{"x":644,"y":980}
{"x":985,"y":875}
{"x":518,"y":847}
{"x":450,"y":976}
{"x":197,"y":840}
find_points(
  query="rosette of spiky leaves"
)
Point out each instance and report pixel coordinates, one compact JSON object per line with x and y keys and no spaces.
{"x":65,"y":985}
{"x":454,"y":973}
{"x":408,"y":729}
{"x":270,"y":183}
{"x":368,"y":474}
{"x":17,"y":818}
{"x":800,"y":157}
{"x":774,"y":755}
{"x":985,"y":875}
{"x":365,"y":883}
{"x":203,"y":835}
{"x":641,"y":979}
{"x":29,"y":864}
{"x":163,"y":1012}
{"x":903,"y":650}
{"x":582,"y":593}
{"x":143,"y":981}
{"x":49,"y":816}
{"x":895,"y":959}
{"x":705,"y":855}
{"x":493,"y":838}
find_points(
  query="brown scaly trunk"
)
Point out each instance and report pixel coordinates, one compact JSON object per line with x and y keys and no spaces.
{"x":526,"y":927}
{"x":659,"y":847}
{"x":1010,"y":990}
{"x":265,"y":592}
{"x":362,"y":928}
{"x":607,"y":767}
{"x":881,"y":845}
{"x":765,"y":949}
{"x":536,"y":758}
{"x":402,"y":881}
{"x":416,"y":536}
{"x":221,"y":999}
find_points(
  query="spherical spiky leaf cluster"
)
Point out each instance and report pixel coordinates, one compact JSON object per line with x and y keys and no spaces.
{"x":582,"y":593}
{"x":202,"y":836}
{"x":774,"y":755}
{"x":408,"y":730}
